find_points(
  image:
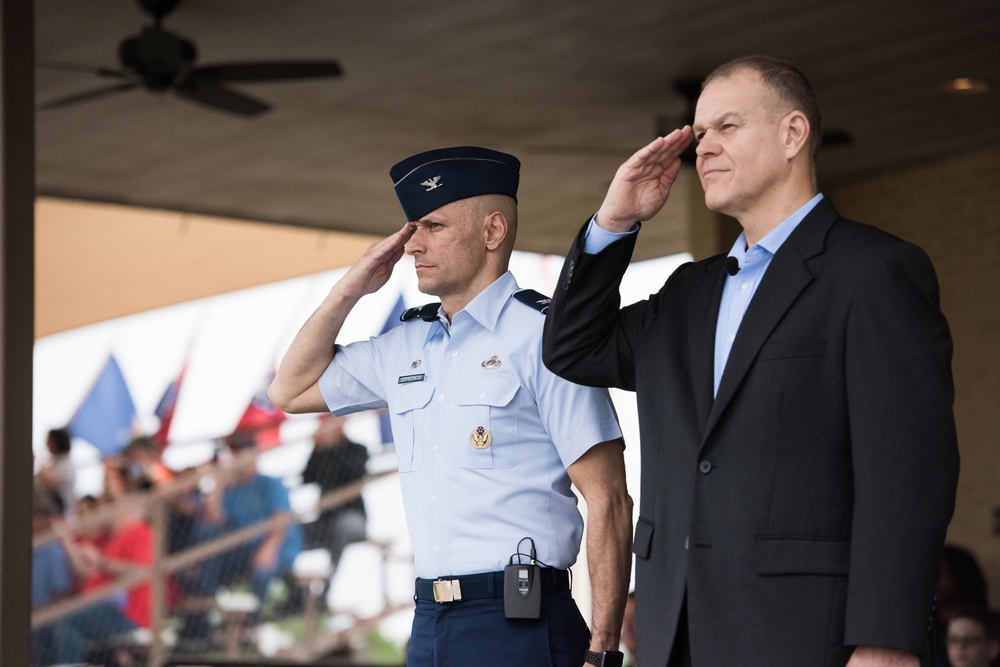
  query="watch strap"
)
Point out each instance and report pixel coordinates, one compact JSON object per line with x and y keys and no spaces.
{"x":604,"y":658}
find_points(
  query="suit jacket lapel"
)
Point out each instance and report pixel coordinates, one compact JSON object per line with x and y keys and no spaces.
{"x":784,"y":280}
{"x":702,"y":344}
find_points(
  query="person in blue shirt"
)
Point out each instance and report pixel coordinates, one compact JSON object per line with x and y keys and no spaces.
{"x":488,"y":441}
{"x":243,"y":497}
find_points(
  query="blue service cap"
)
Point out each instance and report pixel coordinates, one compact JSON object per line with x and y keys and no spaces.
{"x":427,"y":181}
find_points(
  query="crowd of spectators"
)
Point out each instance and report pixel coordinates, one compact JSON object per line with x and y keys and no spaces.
{"x":84,"y":545}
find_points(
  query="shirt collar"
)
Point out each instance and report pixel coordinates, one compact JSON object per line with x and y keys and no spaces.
{"x":486,"y":306}
{"x":777,"y":236}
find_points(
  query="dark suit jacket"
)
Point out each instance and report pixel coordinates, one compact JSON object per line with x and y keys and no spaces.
{"x":802,"y":511}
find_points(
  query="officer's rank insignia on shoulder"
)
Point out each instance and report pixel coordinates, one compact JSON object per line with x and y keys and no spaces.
{"x":536,"y":300}
{"x":427,"y":312}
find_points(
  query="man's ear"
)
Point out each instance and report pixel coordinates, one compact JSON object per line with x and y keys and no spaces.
{"x":795,"y":133}
{"x":495,"y":229}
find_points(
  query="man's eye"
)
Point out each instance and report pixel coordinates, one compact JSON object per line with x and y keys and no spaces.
{"x":698,"y":136}
{"x":728,"y":127}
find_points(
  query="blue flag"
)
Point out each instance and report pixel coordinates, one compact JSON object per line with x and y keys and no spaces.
{"x":391,"y":322}
{"x":106,"y":417}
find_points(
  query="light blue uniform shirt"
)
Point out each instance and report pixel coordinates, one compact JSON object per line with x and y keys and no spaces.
{"x":467,"y":507}
{"x":739,"y":289}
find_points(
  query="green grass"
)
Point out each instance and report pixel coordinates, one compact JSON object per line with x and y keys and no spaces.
{"x":384,"y":652}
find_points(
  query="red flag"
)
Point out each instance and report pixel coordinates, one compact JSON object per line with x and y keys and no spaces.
{"x":262,"y":419}
{"x":165,"y":409}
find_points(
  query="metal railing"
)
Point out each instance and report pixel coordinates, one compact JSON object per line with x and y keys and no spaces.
{"x":156,"y":506}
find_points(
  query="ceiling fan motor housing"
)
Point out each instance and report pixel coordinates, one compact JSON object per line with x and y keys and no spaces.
{"x":159,"y":57}
{"x":158,"y":8}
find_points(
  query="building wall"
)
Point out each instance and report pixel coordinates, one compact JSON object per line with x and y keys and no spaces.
{"x":951,"y":208}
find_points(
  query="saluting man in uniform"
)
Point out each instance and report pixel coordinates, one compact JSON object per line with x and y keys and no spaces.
{"x":488,"y":440}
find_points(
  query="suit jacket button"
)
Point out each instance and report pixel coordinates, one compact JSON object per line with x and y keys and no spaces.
{"x":705,"y":467}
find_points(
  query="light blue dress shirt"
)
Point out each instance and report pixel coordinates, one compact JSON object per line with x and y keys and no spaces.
{"x":468,"y":506}
{"x":739,"y":289}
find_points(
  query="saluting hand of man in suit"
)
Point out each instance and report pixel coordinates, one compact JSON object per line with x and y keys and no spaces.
{"x":642,"y":184}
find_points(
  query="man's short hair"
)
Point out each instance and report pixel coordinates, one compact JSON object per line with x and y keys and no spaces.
{"x":788,"y":81}
{"x":61,"y":440}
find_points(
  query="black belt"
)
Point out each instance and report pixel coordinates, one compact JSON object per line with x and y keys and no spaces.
{"x":483,"y":586}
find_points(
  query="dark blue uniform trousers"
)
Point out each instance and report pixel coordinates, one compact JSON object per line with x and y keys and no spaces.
{"x":474,"y":633}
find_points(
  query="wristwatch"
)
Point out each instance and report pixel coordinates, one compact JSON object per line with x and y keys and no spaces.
{"x":604,"y":658}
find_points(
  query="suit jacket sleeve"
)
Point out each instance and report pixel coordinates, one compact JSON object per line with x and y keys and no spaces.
{"x":587,"y":339}
{"x":903,"y":444}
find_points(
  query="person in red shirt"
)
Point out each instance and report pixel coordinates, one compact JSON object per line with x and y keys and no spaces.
{"x":130,"y":543}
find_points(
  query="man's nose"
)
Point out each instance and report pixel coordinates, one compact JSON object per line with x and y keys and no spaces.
{"x":414,"y":244}
{"x":707,"y":145}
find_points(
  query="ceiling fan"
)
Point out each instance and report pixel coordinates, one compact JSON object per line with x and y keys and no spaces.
{"x":160,"y":61}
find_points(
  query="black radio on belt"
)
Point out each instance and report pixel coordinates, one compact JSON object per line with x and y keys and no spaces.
{"x":522,"y":587}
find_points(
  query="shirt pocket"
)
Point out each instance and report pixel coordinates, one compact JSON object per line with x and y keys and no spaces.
{"x":486,"y":402}
{"x":407,"y":408}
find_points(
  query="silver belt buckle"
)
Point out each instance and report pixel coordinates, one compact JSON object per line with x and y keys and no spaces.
{"x":447,"y":590}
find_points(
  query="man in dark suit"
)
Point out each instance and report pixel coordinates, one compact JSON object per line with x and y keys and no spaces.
{"x":799,"y":458}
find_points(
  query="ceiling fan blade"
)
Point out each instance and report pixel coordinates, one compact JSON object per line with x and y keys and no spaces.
{"x":89,"y":95}
{"x":209,"y":93}
{"x":83,"y":69}
{"x":270,"y":71}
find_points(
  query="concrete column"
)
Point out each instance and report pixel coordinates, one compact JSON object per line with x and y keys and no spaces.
{"x":17,"y":252}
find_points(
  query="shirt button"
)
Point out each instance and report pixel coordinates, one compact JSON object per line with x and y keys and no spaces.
{"x":732,"y":338}
{"x":745,"y":286}
{"x":440,"y":399}
{"x":482,"y":394}
{"x":433,"y":499}
{"x":705,"y":467}
{"x":434,"y":448}
{"x":437,"y":550}
{"x":454,"y":353}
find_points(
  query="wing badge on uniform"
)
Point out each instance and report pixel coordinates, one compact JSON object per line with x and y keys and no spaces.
{"x":491,"y":364}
